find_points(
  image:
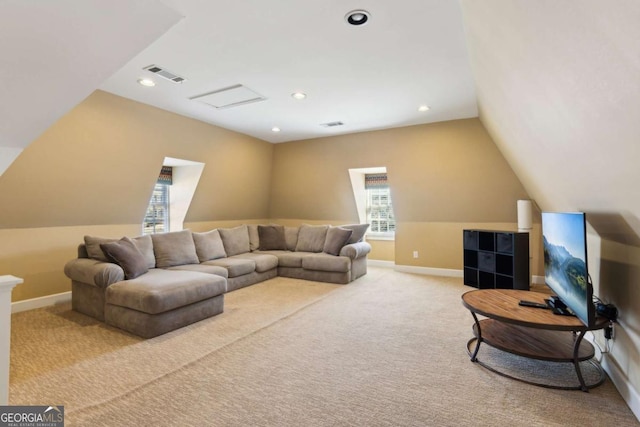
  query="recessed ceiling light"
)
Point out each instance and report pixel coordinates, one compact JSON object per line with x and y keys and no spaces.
{"x":275,"y":129}
{"x":147,"y":82}
{"x":357,"y":17}
{"x":299,"y":95}
{"x":423,"y":108}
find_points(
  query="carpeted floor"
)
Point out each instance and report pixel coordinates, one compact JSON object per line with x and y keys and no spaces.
{"x":385,"y":350}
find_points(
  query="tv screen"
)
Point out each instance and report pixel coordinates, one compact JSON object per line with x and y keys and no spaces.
{"x":565,"y":262}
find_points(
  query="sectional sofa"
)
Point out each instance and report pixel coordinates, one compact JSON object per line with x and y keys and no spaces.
{"x":150,"y":285}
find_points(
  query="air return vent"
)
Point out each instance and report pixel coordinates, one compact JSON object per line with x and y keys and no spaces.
{"x":232,"y":96}
{"x":165,"y":73}
{"x":331,"y":124}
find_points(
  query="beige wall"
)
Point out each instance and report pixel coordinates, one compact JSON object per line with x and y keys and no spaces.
{"x":382,"y":250}
{"x":93,"y":173}
{"x":444,"y":177}
{"x":99,"y":163}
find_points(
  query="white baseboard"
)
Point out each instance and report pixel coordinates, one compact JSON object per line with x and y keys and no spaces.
{"x":33,"y":303}
{"x":621,"y":382}
{"x":380,"y":263}
{"x":446,"y":272}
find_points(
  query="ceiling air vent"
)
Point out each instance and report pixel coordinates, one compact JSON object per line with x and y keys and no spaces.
{"x":232,"y":96}
{"x":165,"y":73}
{"x":331,"y":124}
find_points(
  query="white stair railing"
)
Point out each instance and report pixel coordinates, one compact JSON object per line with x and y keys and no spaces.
{"x":7,"y":283}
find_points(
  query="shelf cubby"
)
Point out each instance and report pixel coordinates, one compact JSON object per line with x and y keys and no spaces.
{"x":496,"y":259}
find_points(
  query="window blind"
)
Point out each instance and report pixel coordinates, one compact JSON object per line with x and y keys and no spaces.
{"x":166,"y":175}
{"x":375,"y":180}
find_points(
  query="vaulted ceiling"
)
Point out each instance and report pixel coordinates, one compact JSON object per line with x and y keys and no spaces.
{"x":556,"y":83}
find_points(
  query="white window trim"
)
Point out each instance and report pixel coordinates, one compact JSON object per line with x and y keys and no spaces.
{"x":360,"y":195}
{"x":186,"y":174}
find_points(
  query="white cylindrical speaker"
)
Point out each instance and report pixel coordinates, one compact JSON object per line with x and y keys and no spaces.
{"x":525,"y":215}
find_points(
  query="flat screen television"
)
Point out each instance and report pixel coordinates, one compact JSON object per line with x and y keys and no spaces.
{"x":564,"y":235}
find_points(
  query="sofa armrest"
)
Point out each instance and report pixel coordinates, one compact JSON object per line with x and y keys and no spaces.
{"x":92,"y":272}
{"x":356,"y":250}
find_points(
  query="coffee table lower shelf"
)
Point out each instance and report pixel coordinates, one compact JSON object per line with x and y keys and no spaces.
{"x":534,"y":343}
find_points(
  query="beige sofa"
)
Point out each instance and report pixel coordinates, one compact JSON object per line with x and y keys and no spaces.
{"x":150,"y":285}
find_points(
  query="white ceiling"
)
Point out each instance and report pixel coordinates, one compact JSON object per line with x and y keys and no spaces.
{"x":411,"y":52}
{"x":53,"y":54}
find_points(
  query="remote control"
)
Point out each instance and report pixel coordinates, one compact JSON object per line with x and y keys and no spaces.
{"x":533,"y":304}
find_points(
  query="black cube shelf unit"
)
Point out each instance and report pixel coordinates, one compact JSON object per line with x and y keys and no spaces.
{"x":496,"y":259}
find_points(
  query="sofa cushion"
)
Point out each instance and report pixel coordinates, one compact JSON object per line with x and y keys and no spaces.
{"x":235,"y":266}
{"x":94,"y":251}
{"x":125,"y":253}
{"x":202,"y":268}
{"x":271,"y":237}
{"x":264,"y":262}
{"x":359,"y":231}
{"x":209,"y":245}
{"x":254,"y":239}
{"x":290,"y":259}
{"x":291,"y":237}
{"x":143,"y":243}
{"x":311,"y":238}
{"x":145,"y":246}
{"x":336,"y":238}
{"x":174,"y":248}
{"x":235,"y":240}
{"x":326,"y":262}
{"x":161,"y":290}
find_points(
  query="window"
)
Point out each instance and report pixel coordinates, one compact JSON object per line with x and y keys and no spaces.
{"x":156,"y":219}
{"x":379,"y":209}
{"x":172,"y":195}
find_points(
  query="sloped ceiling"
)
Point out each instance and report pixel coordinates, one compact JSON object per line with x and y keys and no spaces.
{"x":56,"y":53}
{"x":558,"y":86}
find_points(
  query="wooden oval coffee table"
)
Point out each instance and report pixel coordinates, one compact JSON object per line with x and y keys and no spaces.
{"x":529,"y":332}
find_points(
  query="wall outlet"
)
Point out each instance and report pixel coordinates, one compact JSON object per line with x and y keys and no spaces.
{"x":415,"y":254}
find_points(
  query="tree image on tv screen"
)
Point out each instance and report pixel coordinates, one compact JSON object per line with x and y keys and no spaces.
{"x":563,"y":268}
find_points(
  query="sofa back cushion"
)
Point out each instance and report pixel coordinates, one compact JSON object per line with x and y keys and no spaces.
{"x":311,"y":238}
{"x":336,"y":238}
{"x":174,"y":248}
{"x":358,"y":232}
{"x":235,"y":240}
{"x":125,"y":253}
{"x":145,"y":246}
{"x":209,"y":245}
{"x":291,"y":237}
{"x":254,"y":239}
{"x":92,"y":244}
{"x":143,"y":243}
{"x":272,"y":238}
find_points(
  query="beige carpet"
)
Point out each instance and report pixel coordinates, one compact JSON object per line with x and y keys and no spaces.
{"x":386,"y":350}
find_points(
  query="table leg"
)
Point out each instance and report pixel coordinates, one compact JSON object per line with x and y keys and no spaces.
{"x":478,"y":338}
{"x":576,"y":362}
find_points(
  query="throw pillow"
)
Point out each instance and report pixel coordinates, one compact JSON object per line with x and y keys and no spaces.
{"x":311,"y":238}
{"x":291,"y":237}
{"x":174,"y":248}
{"x":337,"y":237}
{"x":125,"y":253}
{"x":235,"y":240}
{"x":272,"y":238}
{"x":209,"y":245}
{"x":358,"y":232}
